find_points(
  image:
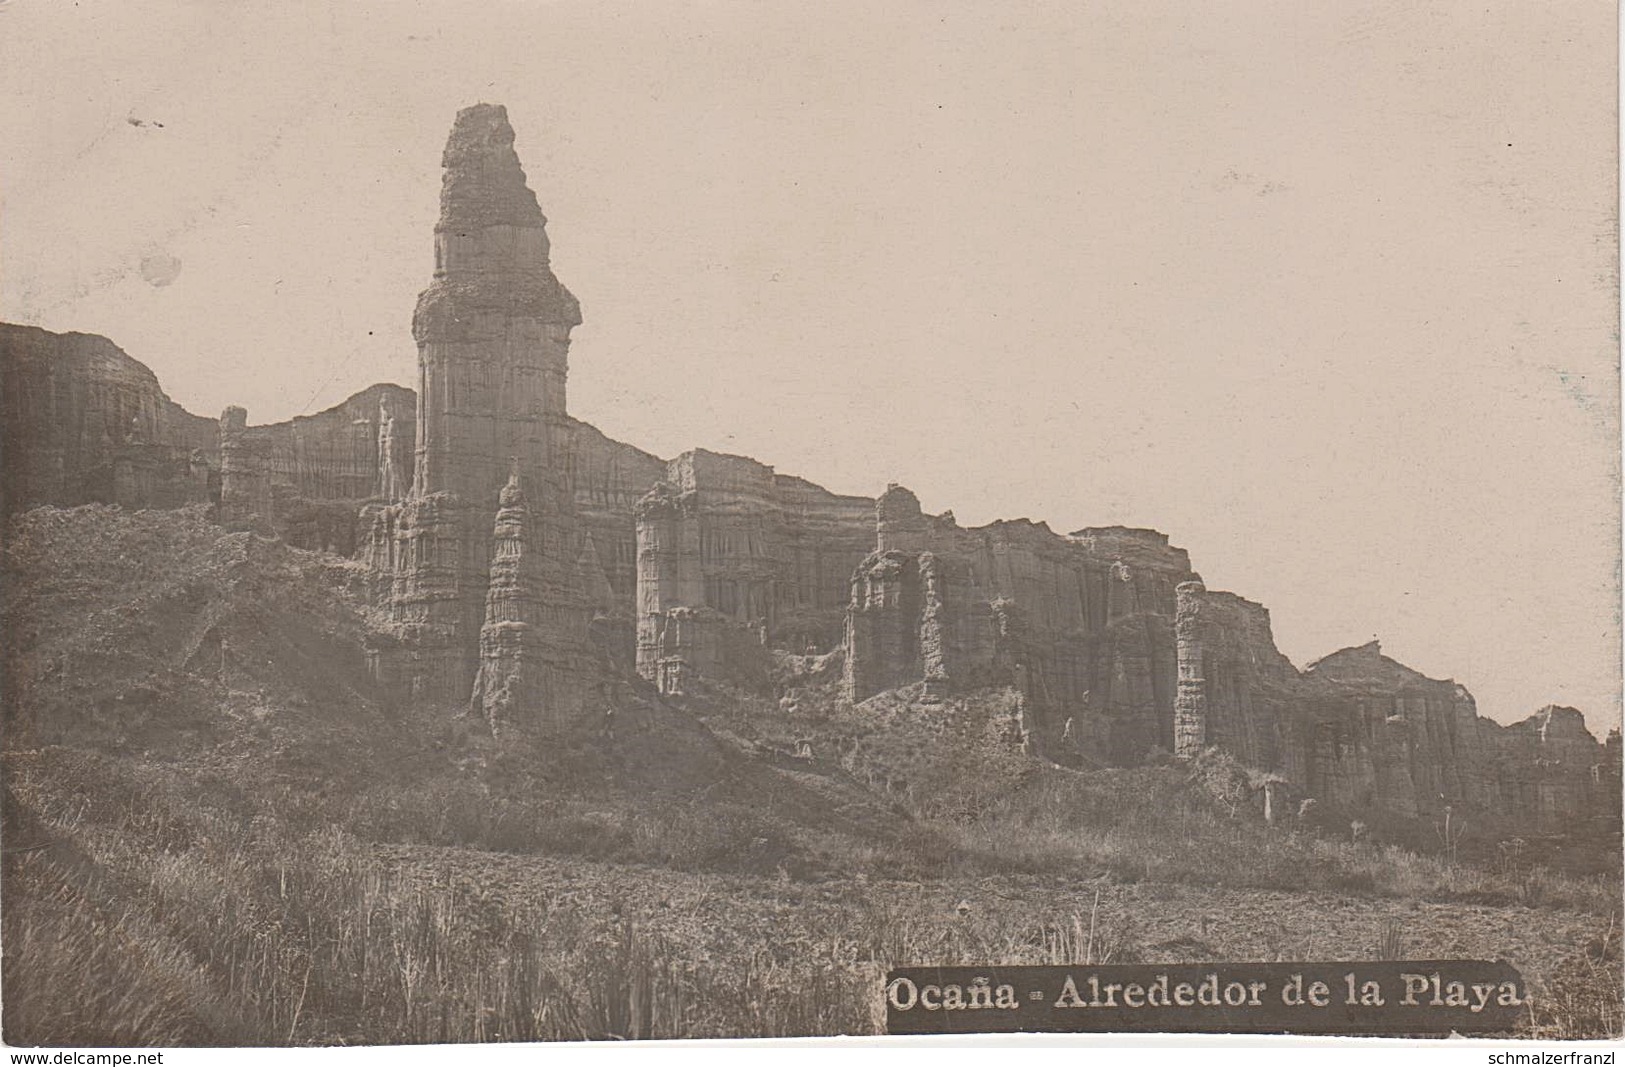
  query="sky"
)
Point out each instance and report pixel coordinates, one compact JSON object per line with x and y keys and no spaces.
{"x":1325,"y":291}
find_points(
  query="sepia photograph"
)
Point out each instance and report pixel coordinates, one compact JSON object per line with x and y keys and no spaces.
{"x":547,"y":521}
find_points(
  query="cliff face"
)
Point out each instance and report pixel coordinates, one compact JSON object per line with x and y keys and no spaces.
{"x":81,"y":423}
{"x":733,"y":556}
{"x":1365,"y":732}
{"x":1081,"y":625}
{"x":305,"y":479}
{"x":1552,"y":771}
{"x":1376,"y":728}
{"x":85,"y":423}
{"x":358,"y":450}
{"x":1117,"y":648}
{"x":608,"y":479}
{"x":522,"y":557}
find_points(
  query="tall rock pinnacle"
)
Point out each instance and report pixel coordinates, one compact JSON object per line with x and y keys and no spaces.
{"x":493,"y":327}
{"x":493,"y":336}
{"x":490,"y":246}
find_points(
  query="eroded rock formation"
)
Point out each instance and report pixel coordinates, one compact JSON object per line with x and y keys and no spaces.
{"x":510,"y":649}
{"x":1117,"y":649}
{"x":732,"y":557}
{"x":609,"y":479}
{"x":493,"y":334}
{"x":83,"y":423}
{"x":245,"y":475}
{"x":1081,"y":625}
{"x":1190,"y":698}
{"x":319,"y":469}
{"x":304,"y":479}
{"x":522,"y":558}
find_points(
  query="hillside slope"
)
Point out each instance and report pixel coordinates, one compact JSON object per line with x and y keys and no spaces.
{"x":216,"y":833}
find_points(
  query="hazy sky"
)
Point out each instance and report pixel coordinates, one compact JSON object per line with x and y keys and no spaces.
{"x":1324,"y":290}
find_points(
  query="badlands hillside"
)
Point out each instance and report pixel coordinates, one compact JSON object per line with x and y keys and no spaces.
{"x":215,"y":833}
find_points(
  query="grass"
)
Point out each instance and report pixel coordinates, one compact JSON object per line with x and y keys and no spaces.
{"x":199,"y":906}
{"x":1155,"y":825}
{"x":1582,"y":999}
{"x":315,"y":941}
{"x":154,"y":919}
{"x":328,"y":946}
{"x":76,"y":976}
{"x":302,"y":865}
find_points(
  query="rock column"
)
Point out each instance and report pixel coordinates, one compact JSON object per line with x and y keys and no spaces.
{"x":933,"y":639}
{"x":493,"y":334}
{"x":507,"y":683}
{"x":1190,"y":699}
{"x":245,"y":481}
{"x":389,"y":483}
{"x":671,"y":590}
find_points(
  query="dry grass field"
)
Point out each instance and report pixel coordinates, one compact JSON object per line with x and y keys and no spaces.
{"x":213,"y":835}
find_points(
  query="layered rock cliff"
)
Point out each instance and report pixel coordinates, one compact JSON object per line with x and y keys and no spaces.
{"x":608,"y":479}
{"x":732,"y":558}
{"x":1365,"y":733}
{"x":522,"y":558}
{"x":81,"y":423}
{"x":1081,"y":625}
{"x":1117,"y":649}
{"x":85,"y":423}
{"x":306,"y":479}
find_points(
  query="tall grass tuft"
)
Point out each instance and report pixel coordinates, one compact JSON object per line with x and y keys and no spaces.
{"x":1391,"y":946}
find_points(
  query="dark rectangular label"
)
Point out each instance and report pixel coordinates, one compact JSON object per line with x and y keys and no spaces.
{"x":1384,"y":997}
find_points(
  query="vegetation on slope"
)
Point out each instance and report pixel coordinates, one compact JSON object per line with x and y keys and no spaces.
{"x":214,"y":834}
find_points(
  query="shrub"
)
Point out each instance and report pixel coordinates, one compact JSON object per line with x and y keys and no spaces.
{"x":1223,"y":778}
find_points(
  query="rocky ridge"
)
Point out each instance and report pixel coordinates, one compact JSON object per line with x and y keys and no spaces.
{"x":521,"y":561}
